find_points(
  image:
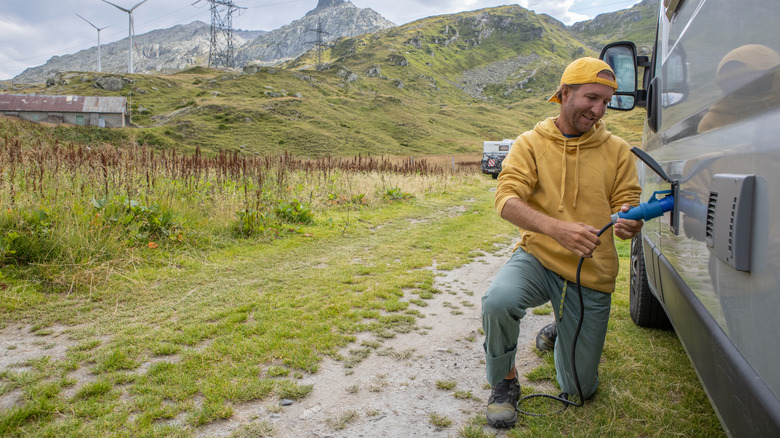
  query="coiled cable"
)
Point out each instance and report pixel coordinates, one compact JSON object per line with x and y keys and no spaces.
{"x":562,"y":397}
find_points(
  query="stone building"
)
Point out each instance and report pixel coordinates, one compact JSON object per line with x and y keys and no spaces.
{"x":104,"y":111}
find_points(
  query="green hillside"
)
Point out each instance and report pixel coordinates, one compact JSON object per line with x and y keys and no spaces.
{"x":637,"y":24}
{"x":440,"y":85}
{"x":431,"y":57}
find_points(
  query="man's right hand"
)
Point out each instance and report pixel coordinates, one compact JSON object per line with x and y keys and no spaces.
{"x":581,"y":239}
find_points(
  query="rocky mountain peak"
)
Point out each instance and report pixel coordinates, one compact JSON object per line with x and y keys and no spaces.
{"x":334,"y":18}
{"x":322,"y":4}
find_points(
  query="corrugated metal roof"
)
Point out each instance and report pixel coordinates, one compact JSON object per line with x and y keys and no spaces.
{"x":94,"y":104}
{"x":64,"y":104}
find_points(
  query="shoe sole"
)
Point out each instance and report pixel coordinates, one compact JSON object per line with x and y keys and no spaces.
{"x":501,"y":424}
{"x":543,"y":343}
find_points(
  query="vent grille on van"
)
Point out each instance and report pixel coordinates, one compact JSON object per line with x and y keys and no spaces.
{"x":732,"y":220}
{"x":731,"y":230}
{"x":711,"y":208}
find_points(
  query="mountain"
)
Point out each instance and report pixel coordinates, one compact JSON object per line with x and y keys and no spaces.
{"x":636,"y":24}
{"x":330,"y":20}
{"x":185,"y":46}
{"x":438,"y":85}
{"x":508,"y":48}
{"x":501,"y":54}
{"x":157,"y":51}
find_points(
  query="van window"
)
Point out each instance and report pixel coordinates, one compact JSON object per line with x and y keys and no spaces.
{"x":695,"y":43}
{"x":675,"y":78}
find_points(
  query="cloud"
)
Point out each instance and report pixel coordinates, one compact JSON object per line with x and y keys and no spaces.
{"x":11,"y":56}
{"x":556,"y":8}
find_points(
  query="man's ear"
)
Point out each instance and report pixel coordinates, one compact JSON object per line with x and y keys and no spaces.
{"x":565,"y":92}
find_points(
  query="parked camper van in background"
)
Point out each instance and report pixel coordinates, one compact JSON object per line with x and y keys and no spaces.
{"x":493,"y":154}
{"x":711,"y":267}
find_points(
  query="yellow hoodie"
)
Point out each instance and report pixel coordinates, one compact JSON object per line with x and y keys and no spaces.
{"x":593,"y":178}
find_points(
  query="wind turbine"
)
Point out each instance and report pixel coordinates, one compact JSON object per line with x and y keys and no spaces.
{"x":131,"y":31}
{"x":98,"y":30}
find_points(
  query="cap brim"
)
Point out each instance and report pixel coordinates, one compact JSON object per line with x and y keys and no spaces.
{"x":554,"y":98}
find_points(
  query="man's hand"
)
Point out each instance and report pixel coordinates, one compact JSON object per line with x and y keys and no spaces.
{"x":579,"y":238}
{"x":626,"y":228}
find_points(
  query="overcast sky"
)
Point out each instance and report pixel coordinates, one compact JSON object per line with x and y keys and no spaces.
{"x":32,"y":31}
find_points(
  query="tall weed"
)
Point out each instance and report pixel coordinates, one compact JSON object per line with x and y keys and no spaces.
{"x":77,"y":209}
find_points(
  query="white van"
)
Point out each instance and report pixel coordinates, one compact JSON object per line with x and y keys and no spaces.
{"x":493,"y":154}
{"x":711,"y":267}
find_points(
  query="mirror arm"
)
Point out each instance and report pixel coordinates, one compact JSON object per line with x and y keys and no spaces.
{"x":641,"y":95}
{"x":641,"y":98}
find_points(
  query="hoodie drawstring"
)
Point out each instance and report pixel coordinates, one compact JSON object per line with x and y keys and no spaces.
{"x":564,"y":169}
{"x":577,"y":175}
{"x":563,"y":175}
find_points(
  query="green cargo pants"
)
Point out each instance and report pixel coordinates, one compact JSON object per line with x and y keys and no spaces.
{"x":523,"y":283}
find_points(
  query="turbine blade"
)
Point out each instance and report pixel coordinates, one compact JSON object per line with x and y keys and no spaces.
{"x":139,"y":4}
{"x":90,"y":23}
{"x":116,"y":6}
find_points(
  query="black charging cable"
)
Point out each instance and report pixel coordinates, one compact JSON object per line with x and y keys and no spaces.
{"x":561,"y":398}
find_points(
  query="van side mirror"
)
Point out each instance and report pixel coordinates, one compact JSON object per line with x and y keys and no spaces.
{"x":621,"y":56}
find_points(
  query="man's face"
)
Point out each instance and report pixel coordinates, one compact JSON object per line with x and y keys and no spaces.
{"x":583,"y":107}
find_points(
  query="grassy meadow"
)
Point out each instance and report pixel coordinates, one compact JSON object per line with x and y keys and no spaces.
{"x":249,"y":225}
{"x":185,"y":284}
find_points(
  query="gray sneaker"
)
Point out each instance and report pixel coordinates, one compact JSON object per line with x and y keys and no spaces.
{"x":502,"y":406}
{"x":545,"y":340}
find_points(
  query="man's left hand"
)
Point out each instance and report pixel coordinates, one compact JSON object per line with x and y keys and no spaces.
{"x":626,"y":228}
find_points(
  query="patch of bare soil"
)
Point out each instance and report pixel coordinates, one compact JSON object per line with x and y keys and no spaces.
{"x":20,"y":345}
{"x":394,"y":395}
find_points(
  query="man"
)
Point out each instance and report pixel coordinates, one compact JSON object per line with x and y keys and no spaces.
{"x":560,"y":183}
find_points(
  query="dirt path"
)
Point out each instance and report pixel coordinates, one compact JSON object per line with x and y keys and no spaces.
{"x":393,"y":394}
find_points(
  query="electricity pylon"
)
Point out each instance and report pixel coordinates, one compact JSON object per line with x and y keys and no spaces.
{"x":222,"y":30}
{"x":319,"y":43}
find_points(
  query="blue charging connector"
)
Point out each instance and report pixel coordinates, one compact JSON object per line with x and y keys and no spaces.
{"x":653,"y":208}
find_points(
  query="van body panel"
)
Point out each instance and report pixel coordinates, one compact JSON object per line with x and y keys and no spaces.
{"x":715,"y":76}
{"x":730,"y":381}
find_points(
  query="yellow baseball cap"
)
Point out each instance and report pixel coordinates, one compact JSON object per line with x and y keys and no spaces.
{"x":750,"y":58}
{"x":585,"y":71}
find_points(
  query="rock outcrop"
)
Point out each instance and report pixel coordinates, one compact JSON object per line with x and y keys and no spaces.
{"x":330,"y":20}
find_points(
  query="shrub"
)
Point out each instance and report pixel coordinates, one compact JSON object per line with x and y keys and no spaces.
{"x":358,"y":200}
{"x":294,"y":212}
{"x":141,"y":223}
{"x":150,"y":138}
{"x":26,"y":237}
{"x":396,"y":194}
{"x":251,"y":222}
{"x":89,"y":134}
